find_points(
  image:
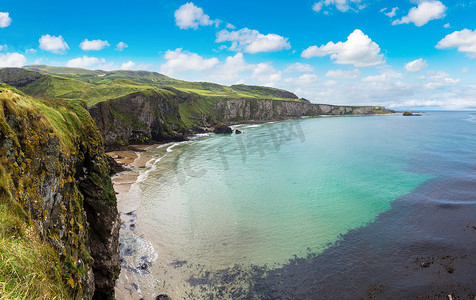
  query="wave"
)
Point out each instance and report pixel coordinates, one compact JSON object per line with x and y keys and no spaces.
{"x":202,"y":134}
{"x":169,"y":149}
{"x":151,"y":165}
{"x":472,"y":118}
{"x":163,"y":145}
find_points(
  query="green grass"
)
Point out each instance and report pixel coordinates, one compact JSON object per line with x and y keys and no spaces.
{"x":65,"y":117}
{"x":96,"y":86}
{"x":29,"y":267}
{"x":380,"y":112}
{"x":191,"y":110}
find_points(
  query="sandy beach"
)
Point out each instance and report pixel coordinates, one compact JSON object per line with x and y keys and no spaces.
{"x":125,"y":185}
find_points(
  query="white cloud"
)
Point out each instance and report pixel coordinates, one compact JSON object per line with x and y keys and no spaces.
{"x":5,"y":19}
{"x":3,"y":47}
{"x":423,"y":13}
{"x":317,"y":6}
{"x":121,"y":46}
{"x":341,"y":74}
{"x":105,"y":66}
{"x":251,"y":41}
{"x":303,"y":79}
{"x":94,"y":45}
{"x":266,"y":74}
{"x":12,"y":60}
{"x":453,"y":100}
{"x":392,"y":89}
{"x":439,"y":79}
{"x":298,"y":67}
{"x":84,"y":61}
{"x":465,"y":70}
{"x":128,"y":65}
{"x":464,"y":40}
{"x":359,"y":50}
{"x":376,"y":78}
{"x":191,"y":16}
{"x":230,"y":26}
{"x":447,"y":25}
{"x":232,"y":68}
{"x":179,"y":61}
{"x":385,"y":76}
{"x":416,"y":65}
{"x":342,"y":5}
{"x":30,"y":51}
{"x":330,"y":83}
{"x":391,"y":13}
{"x":55,"y":44}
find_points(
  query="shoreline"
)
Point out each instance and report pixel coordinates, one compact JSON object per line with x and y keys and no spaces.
{"x":187,"y":136}
{"x":123,"y":182}
{"x":137,"y":253}
{"x":138,"y":159}
{"x":450,"y":263}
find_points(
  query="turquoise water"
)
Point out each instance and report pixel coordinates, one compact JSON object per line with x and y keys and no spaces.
{"x":278,"y":190}
{"x":309,"y":208}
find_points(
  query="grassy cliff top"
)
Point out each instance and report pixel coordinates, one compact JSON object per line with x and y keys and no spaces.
{"x":93,"y":86}
{"x":65,"y":119}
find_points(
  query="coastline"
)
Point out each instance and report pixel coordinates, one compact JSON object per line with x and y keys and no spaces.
{"x":137,"y":253}
{"x":139,"y":159}
{"x":126,"y":185}
{"x":421,"y":262}
{"x":210,"y":129}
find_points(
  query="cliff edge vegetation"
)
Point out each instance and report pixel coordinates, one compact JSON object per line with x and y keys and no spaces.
{"x":58,"y":217}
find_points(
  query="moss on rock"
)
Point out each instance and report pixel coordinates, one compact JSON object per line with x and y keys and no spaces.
{"x":50,"y":151}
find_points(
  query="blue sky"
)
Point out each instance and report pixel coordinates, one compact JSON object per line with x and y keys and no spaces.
{"x":401,"y":53}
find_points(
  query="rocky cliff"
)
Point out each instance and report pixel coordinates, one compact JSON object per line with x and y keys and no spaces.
{"x":138,"y":117}
{"x":168,"y":115}
{"x":55,"y":172}
{"x":262,"y":109}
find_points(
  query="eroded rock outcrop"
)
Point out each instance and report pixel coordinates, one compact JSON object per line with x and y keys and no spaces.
{"x":223,"y":129}
{"x":138,"y":118}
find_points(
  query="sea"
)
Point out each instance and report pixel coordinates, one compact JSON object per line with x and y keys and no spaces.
{"x":374,"y":207}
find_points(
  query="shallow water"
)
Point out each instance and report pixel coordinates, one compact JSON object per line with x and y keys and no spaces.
{"x":327,"y":200}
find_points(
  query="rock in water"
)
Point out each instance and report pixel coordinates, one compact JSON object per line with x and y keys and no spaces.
{"x":238,"y":132}
{"x":410,"y":114}
{"x":223,"y":129}
{"x":114,"y":166}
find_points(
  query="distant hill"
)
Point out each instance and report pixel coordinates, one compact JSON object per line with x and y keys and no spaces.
{"x":102,"y":85}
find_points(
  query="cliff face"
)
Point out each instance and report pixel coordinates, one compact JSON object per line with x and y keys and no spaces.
{"x":56,"y":169}
{"x":159,"y":116}
{"x":138,"y":118}
{"x":253,"y":109}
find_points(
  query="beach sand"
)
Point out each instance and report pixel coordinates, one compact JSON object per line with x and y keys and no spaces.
{"x":126,"y":194}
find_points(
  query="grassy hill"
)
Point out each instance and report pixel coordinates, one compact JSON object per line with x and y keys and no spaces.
{"x":96,"y":86}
